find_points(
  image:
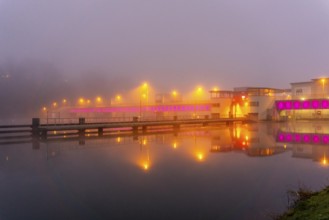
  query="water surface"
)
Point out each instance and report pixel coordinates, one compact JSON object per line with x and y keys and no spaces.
{"x":236,"y":172}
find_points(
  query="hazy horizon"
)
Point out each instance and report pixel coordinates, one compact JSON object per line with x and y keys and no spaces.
{"x":171,"y":44}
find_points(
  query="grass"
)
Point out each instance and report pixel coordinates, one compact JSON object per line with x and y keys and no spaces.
{"x":307,"y":204}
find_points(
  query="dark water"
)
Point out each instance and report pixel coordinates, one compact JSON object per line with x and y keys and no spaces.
{"x":238,"y":172}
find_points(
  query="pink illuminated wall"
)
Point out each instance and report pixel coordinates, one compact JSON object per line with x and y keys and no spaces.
{"x":305,"y":138}
{"x":302,"y":104}
{"x":153,"y":108}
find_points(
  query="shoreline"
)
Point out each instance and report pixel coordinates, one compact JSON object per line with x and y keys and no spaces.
{"x":307,"y":205}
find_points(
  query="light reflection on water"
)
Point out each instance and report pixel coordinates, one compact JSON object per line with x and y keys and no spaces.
{"x":237,"y":172}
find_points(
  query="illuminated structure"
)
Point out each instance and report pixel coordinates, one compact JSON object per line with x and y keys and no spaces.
{"x":253,"y":102}
{"x":304,"y":100}
{"x":309,"y":100}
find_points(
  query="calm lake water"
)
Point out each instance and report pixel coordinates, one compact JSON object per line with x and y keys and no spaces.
{"x":237,"y":172}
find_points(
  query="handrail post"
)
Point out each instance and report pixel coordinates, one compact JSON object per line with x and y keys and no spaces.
{"x":35,"y":127}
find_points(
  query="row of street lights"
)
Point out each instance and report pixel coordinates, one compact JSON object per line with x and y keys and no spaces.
{"x":144,"y":95}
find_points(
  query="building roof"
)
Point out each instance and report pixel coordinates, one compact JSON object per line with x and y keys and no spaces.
{"x":294,"y":83}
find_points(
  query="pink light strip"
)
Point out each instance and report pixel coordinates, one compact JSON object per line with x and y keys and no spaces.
{"x":302,"y":104}
{"x":153,"y":108}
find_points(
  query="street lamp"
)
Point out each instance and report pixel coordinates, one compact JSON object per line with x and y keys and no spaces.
{"x":98,"y":101}
{"x":146,"y":90}
{"x":175,"y":96}
{"x":45,"y":110}
{"x":323,"y":81}
{"x":198,"y":94}
{"x":144,"y":95}
{"x":81,"y":101}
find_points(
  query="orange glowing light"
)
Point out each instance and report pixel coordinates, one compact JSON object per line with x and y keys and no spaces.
{"x":44,"y":109}
{"x":324,"y":161}
{"x":144,"y":142}
{"x":88,"y":101}
{"x":64,"y":101}
{"x":215,"y":89}
{"x":118,"y":139}
{"x":118,"y":97}
{"x":99,"y":99}
{"x":55,"y":104}
{"x":174,"y":93}
{"x":81,"y":101}
{"x":146,"y":166}
{"x":174,"y":145}
{"x":200,"y":156}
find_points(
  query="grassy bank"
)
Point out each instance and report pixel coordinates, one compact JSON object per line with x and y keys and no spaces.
{"x":308,"y":205}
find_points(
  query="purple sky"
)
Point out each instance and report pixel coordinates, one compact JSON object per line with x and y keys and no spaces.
{"x":173,"y":43}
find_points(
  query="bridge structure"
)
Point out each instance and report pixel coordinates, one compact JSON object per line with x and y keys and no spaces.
{"x":135,"y":125}
{"x":80,"y":127}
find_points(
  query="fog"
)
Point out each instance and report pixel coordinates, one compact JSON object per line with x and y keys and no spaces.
{"x":53,"y":49}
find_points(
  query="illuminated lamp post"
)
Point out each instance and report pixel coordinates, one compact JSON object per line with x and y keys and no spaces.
{"x":146,"y":88}
{"x":44,"y":109}
{"x":323,"y":81}
{"x":174,"y":95}
{"x":198,"y":95}
{"x":144,"y":95}
{"x":118,"y":98}
{"x":81,"y":101}
{"x":55,"y":105}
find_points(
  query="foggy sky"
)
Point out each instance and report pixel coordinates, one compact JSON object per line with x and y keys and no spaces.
{"x":172,"y":43}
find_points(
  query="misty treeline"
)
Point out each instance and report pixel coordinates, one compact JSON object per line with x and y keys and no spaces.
{"x":27,"y":86}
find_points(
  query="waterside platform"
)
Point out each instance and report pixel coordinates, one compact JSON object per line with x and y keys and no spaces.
{"x":42,"y":131}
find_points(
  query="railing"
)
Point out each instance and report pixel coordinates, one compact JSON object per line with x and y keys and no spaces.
{"x":63,"y":121}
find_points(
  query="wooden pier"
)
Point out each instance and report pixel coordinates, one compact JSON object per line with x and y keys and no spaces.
{"x":41,"y":131}
{"x":135,"y":125}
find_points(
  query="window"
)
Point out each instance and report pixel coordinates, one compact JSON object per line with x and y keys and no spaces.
{"x":299,"y":91}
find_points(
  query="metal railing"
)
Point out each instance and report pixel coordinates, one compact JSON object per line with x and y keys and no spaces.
{"x":94,"y":120}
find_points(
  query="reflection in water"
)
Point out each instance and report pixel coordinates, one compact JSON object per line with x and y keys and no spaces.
{"x":233,"y":172}
{"x":144,"y":160}
{"x":254,"y":140}
{"x":307,"y":140}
